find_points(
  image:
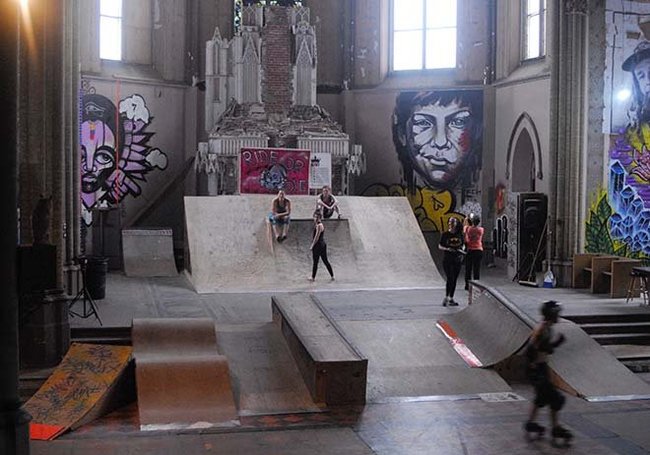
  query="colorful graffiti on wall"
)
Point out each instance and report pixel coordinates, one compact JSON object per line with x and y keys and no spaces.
{"x":115,"y":150}
{"x":438,"y":139}
{"x":432,"y":208}
{"x":619,"y":219}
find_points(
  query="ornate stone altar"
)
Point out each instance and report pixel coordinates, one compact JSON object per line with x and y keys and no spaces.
{"x":261,"y":92}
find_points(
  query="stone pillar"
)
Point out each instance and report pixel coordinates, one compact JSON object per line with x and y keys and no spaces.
{"x":41,"y":125}
{"x":72,"y":188}
{"x":14,"y":429}
{"x":568,"y":135}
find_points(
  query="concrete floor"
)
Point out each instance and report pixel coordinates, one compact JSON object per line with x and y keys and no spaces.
{"x":393,"y":423}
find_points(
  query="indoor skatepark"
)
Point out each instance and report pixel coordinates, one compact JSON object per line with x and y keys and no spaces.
{"x":274,"y":350}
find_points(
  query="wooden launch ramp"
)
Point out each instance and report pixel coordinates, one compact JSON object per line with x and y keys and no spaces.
{"x":88,"y":383}
{"x":182,"y":381}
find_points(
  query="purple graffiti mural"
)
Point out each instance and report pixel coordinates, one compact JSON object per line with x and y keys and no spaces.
{"x":629,"y":169}
{"x":438,"y":137}
{"x":115,"y":154}
{"x":629,"y":199}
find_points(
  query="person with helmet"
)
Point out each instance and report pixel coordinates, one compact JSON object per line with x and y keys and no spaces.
{"x":541,"y":345}
{"x":473,"y":234}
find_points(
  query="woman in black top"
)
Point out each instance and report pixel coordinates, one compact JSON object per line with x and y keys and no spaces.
{"x":451,"y":242}
{"x":319,"y":247}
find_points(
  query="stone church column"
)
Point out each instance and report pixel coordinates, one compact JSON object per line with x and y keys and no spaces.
{"x":14,"y":430}
{"x":568,"y":135}
{"x":46,"y":123}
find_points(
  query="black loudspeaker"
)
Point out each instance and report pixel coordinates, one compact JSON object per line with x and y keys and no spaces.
{"x":531,"y":238}
{"x":36,"y":268}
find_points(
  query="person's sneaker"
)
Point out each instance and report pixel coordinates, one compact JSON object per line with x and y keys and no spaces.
{"x":332,"y":279}
{"x":279,"y":239}
{"x":445,"y":301}
{"x":452,"y":302}
{"x":340,"y":216}
{"x":310,"y":279}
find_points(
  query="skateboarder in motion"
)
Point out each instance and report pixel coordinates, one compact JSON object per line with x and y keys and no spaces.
{"x":540,"y":345}
{"x":319,"y":247}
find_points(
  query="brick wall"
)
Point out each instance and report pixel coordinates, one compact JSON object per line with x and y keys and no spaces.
{"x":277,"y":88}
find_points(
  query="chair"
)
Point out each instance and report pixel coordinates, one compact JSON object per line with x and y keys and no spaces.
{"x":637,"y":274}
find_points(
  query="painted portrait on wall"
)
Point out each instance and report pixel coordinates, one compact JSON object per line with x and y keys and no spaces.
{"x":438,"y":137}
{"x":115,"y":154}
{"x":626,"y":86}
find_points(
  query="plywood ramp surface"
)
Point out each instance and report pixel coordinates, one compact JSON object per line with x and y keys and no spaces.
{"x":148,"y":252}
{"x":266,"y":379}
{"x":411,"y":358}
{"x":489,"y":329}
{"x":182,"y":381}
{"x":79,"y":389}
{"x":588,"y":370}
{"x":378,"y":245}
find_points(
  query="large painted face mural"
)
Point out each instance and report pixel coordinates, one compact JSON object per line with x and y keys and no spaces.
{"x":438,"y":140}
{"x":437,"y":135}
{"x":115,"y":155}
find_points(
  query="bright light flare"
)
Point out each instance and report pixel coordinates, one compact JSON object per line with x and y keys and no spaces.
{"x":623,"y":94}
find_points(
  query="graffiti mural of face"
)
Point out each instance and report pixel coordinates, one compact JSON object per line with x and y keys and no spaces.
{"x":642,"y":76}
{"x":97,"y":155}
{"x":439,"y":141}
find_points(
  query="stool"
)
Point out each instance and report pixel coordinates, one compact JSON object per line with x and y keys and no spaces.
{"x":643,"y":286}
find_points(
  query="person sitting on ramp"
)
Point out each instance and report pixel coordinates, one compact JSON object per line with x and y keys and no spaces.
{"x":327,"y":204}
{"x":541,"y":345}
{"x":319,"y":247}
{"x":280,"y":216}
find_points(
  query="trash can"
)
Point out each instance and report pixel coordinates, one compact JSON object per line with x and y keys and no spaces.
{"x":44,"y":328}
{"x":96,"y":269}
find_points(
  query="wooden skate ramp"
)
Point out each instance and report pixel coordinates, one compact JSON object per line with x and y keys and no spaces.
{"x":584,"y":368}
{"x":496,"y":329}
{"x":82,"y":388}
{"x":379,"y":245}
{"x":490,"y":330}
{"x":182,"y":381}
{"x":148,"y":252}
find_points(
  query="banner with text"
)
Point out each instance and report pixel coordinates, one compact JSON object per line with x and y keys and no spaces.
{"x":320,"y":173}
{"x":268,"y":170}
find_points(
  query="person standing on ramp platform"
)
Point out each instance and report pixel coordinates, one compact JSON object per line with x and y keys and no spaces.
{"x":451,"y":242}
{"x":474,"y":243}
{"x":319,"y":247}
